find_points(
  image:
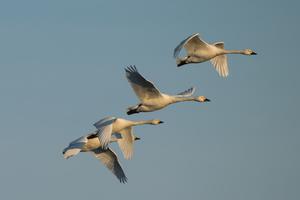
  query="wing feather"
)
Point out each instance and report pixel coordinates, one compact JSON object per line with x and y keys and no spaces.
{"x":191,"y":44}
{"x":74,"y":147}
{"x":111,"y":161}
{"x":143,"y":88}
{"x":187,"y":93}
{"x":219,"y":45}
{"x":220,"y":62}
{"x":104,"y":127}
{"x":126,"y":142}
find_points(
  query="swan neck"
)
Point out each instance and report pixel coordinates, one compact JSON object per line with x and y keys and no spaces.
{"x":180,"y":99}
{"x":234,"y":51}
{"x":136,"y":123}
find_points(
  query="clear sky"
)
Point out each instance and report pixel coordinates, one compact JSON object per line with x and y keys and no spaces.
{"x":62,"y":69}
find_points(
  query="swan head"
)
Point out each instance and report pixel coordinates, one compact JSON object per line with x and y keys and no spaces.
{"x":156,"y":122}
{"x":202,"y":99}
{"x":249,"y":52}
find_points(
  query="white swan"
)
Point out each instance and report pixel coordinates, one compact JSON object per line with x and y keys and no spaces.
{"x":120,"y":127}
{"x":151,"y":98}
{"x":91,"y":143}
{"x":199,"y":51}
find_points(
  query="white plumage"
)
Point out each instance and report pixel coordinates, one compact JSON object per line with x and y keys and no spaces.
{"x":91,"y":143}
{"x":199,"y":51}
{"x":117,"y":126}
{"x":151,"y":98}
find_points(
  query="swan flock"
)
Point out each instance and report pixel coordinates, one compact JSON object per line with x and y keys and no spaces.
{"x":114,"y":129}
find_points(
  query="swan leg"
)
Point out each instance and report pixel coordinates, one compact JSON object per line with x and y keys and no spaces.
{"x":180,"y":62}
{"x":130,"y":112}
{"x":133,"y":110}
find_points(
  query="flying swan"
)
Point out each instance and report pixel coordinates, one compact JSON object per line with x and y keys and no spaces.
{"x":151,"y":98}
{"x":91,"y":143}
{"x":199,"y":51}
{"x":122,"y":128}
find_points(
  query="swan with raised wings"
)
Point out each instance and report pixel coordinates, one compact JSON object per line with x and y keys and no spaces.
{"x":121,"y":128}
{"x":199,"y":51}
{"x":91,"y":143}
{"x":151,"y":98}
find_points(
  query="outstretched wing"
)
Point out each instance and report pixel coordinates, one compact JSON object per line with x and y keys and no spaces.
{"x":126,"y":142}
{"x":104,"y":127}
{"x":191,"y":44}
{"x":220,"y":62}
{"x":74,"y":147}
{"x":143,"y":88}
{"x":187,"y":93}
{"x":110,"y":160}
{"x":69,"y":152}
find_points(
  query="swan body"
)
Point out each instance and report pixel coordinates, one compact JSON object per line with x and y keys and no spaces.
{"x":91,"y":143}
{"x":199,"y":51}
{"x":120,"y":128}
{"x":151,"y":98}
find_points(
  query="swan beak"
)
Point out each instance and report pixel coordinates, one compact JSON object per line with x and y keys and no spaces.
{"x":253,"y":53}
{"x":137,"y":138}
{"x":161,"y":122}
{"x":207,"y":100}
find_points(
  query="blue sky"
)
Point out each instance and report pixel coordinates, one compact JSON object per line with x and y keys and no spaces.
{"x":62,"y":69}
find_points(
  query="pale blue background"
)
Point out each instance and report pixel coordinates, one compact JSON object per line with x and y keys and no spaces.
{"x":61,"y":69}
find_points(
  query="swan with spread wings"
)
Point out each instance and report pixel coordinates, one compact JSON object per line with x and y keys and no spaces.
{"x":151,"y":98}
{"x":199,"y":51}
